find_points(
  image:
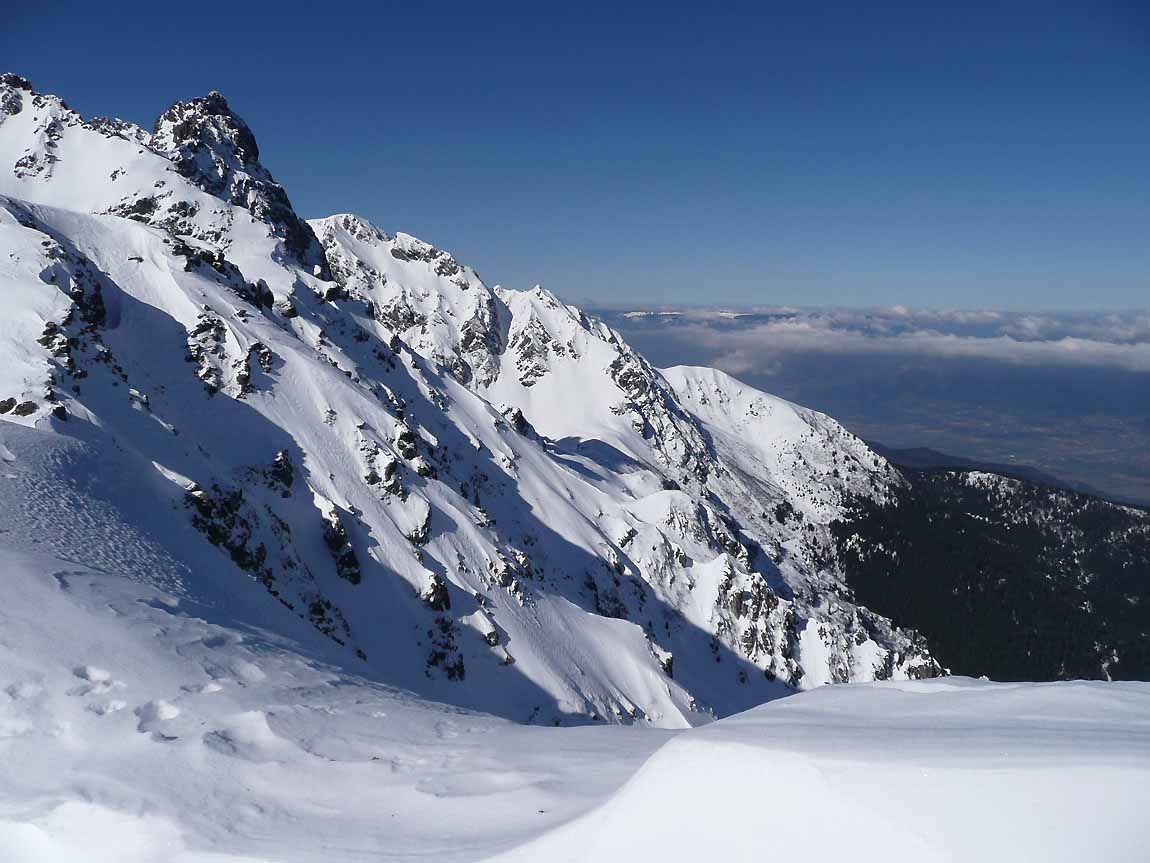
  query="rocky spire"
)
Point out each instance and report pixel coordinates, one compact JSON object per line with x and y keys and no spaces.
{"x":215,"y":149}
{"x":12,"y":88}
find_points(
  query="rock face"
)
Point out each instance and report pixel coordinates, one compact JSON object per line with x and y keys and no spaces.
{"x":439,"y":307}
{"x":485,"y":495}
{"x":213,"y":148}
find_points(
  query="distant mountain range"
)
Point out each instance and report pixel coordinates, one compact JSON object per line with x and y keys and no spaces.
{"x":924,"y":457}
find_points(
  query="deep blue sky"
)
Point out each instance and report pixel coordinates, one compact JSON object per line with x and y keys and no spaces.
{"x":929,"y":154}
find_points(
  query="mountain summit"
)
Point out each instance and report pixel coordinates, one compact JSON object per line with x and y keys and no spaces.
{"x":213,"y":148}
{"x":344,"y":436}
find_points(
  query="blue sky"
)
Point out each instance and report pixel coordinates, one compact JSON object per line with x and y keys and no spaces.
{"x":924,"y":154}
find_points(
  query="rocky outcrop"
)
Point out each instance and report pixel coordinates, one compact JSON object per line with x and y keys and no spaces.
{"x":213,"y":147}
{"x":259,"y":543}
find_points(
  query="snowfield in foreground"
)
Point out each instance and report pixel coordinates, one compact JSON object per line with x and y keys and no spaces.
{"x":133,"y":729}
{"x":941,"y":770}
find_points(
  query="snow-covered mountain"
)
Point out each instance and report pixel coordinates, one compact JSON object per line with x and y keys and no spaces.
{"x":282,"y":499}
{"x":477,"y":494}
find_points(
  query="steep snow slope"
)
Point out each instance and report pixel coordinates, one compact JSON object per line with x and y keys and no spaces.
{"x":153,"y":706}
{"x":480,"y":495}
{"x":289,"y":490}
{"x":697,"y":452}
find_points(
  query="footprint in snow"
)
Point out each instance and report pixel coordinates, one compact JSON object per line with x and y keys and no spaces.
{"x":92,"y":673}
{"x":221,"y":640}
{"x":23,"y":690}
{"x":247,"y":672}
{"x":152,"y":717}
{"x":103,"y":708}
{"x":248,"y":736}
{"x":202,"y":688}
{"x":161,"y":602}
{"x":97,"y":681}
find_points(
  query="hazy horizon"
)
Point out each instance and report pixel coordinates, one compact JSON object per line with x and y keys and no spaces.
{"x":1067,"y":393}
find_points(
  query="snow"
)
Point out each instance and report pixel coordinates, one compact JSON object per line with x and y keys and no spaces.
{"x":302,"y":569}
{"x":771,"y":437}
{"x":135,"y":726}
{"x":555,"y":503}
{"x":26,"y":308}
{"x":482,"y":509}
{"x":943,"y":770}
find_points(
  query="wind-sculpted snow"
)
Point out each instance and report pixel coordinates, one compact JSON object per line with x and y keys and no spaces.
{"x":941,"y":770}
{"x":140,"y":724}
{"x":478,"y":494}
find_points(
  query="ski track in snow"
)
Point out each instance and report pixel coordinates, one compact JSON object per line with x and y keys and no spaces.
{"x":48,"y":510}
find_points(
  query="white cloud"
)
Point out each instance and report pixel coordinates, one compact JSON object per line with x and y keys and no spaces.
{"x":758,"y":339}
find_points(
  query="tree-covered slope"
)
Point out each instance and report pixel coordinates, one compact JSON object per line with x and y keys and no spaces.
{"x":1006,"y":578}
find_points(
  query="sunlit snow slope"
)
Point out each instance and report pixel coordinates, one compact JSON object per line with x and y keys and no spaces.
{"x":140,"y":725}
{"x":286,"y":504}
{"x":923,"y":771}
{"x":481,"y":495}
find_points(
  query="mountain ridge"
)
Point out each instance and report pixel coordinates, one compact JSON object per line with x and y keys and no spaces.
{"x":926,"y":458}
{"x":484,"y":495}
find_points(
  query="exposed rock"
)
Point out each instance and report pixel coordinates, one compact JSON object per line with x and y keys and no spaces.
{"x":435,"y":594}
{"x":335,"y":536}
{"x":213,"y":148}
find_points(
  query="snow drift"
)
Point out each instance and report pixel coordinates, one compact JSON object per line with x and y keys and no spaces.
{"x":941,"y":770}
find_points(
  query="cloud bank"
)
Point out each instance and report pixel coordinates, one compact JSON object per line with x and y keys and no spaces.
{"x":753,"y":340}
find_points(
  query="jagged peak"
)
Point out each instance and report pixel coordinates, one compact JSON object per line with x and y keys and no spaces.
{"x":532,"y":296}
{"x":542,"y":303}
{"x":354,"y":225}
{"x":206,"y":122}
{"x":115,"y":127}
{"x":13,"y":89}
{"x":18,"y":82}
{"x":413,"y":243}
{"x":11,"y":98}
{"x":541,"y":293}
{"x":212,"y":146}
